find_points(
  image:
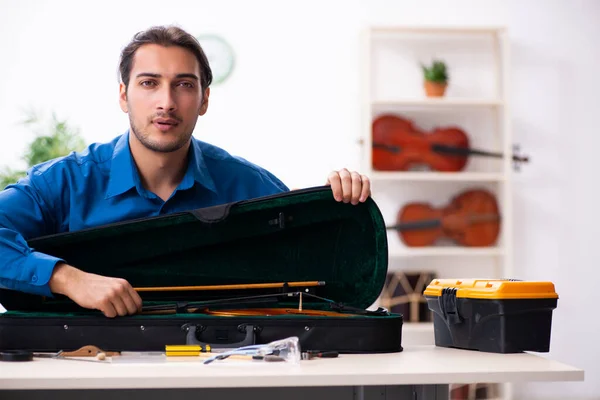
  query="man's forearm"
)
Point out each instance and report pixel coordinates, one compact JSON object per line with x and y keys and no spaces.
{"x":62,"y":276}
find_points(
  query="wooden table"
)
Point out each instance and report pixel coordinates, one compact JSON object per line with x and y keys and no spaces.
{"x":419,"y":372}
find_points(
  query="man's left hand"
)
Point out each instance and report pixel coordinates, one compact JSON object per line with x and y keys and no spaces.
{"x":349,"y":187}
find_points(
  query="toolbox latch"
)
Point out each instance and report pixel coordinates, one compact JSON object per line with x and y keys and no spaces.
{"x":449,"y":307}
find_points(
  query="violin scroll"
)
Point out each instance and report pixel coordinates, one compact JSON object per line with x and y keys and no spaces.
{"x":517,"y":158}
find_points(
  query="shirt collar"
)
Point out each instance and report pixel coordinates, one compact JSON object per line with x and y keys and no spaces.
{"x":124,"y":176}
{"x":197,"y":170}
{"x":122,"y":170}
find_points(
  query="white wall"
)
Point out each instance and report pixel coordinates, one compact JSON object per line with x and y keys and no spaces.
{"x":295,"y":89}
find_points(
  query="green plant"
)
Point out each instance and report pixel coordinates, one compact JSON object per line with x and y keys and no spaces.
{"x":52,"y":140}
{"x":9,"y":176}
{"x":437,"y":72}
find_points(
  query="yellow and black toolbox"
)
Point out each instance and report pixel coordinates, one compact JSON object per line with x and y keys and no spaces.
{"x":499,"y":316}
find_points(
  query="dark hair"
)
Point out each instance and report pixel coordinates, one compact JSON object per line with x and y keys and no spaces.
{"x":164,"y":36}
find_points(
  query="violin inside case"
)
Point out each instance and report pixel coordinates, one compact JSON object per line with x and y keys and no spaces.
{"x":290,"y":240}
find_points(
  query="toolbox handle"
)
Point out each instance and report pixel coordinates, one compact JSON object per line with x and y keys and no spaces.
{"x":249,"y":339}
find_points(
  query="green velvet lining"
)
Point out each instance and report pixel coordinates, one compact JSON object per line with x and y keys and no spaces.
{"x":321,"y":239}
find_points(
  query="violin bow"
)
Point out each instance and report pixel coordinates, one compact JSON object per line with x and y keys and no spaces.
{"x":243,"y":286}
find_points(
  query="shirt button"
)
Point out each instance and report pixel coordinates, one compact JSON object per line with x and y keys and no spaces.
{"x":34,"y":278}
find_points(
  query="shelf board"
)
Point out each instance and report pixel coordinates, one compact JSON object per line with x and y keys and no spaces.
{"x":441,"y":29}
{"x":436,"y":176}
{"x":445,"y":251}
{"x":438,"y":102}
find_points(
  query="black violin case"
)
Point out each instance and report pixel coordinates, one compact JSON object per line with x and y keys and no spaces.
{"x":299,"y":236}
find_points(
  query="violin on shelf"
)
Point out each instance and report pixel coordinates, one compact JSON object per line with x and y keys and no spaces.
{"x":400,"y":146}
{"x":470,"y":219}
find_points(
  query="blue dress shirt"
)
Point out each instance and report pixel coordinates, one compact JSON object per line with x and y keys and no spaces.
{"x":101,"y":185}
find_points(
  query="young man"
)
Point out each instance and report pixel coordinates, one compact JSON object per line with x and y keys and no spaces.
{"x":155,"y":168}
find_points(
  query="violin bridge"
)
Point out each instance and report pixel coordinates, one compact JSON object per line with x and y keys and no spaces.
{"x":300,"y":303}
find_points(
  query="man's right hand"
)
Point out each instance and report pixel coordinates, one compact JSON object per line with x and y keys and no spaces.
{"x":112,"y":296}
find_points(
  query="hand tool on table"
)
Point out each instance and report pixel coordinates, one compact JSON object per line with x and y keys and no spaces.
{"x":86,"y":353}
{"x":310,"y":354}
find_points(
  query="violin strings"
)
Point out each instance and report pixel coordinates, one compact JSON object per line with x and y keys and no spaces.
{"x":170,"y":306}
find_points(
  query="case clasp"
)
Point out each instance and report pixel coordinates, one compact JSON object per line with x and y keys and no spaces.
{"x":280,"y":220}
{"x":449,"y":307}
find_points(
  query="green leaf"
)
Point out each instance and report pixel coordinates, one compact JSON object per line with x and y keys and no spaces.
{"x":53,"y":139}
{"x":9,"y":176}
{"x":58,"y":140}
{"x":437,"y":72}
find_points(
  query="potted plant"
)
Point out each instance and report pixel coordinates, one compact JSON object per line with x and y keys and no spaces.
{"x":54,"y":140}
{"x":435,"y":78}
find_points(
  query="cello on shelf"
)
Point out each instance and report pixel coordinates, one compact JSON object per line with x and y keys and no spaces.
{"x":470,"y":219}
{"x":399,"y":146}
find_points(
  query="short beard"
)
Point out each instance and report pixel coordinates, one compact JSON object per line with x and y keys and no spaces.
{"x":144,"y":138}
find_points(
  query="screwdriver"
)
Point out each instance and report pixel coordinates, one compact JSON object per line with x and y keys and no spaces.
{"x":310,"y":354}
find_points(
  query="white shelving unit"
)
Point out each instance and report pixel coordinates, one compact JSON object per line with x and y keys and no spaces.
{"x":434,"y":102}
{"x":447,"y":252}
{"x":477,"y":101}
{"x":438,"y":176}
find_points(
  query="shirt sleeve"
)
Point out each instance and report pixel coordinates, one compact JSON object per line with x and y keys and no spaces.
{"x":24,"y":214}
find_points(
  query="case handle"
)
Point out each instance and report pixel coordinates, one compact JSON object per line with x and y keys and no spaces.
{"x":249,"y":339}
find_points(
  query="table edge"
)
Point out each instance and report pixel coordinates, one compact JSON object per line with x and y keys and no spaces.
{"x":253,"y":381}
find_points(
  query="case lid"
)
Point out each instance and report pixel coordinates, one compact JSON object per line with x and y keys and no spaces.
{"x":493,"y":289}
{"x":298,"y":236}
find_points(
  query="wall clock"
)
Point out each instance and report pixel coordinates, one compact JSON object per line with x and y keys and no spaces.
{"x":220,"y":56}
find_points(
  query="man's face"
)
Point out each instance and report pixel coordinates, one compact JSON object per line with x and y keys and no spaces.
{"x":164,"y":97}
